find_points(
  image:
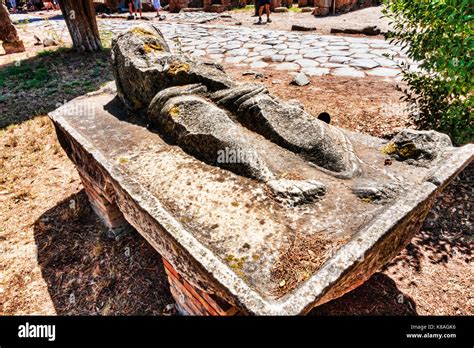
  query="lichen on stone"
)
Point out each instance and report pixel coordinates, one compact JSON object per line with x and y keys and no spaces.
{"x":174,"y":111}
{"x":152,"y":47}
{"x":407,"y":150}
{"x":389,"y":149}
{"x":177,"y":67}
{"x":142,"y":32}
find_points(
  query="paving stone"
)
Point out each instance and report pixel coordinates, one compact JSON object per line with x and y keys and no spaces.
{"x":217,"y":57}
{"x":231,"y":46}
{"x":380,"y":45}
{"x":280,"y":46}
{"x":306,"y":63}
{"x":385,"y":72}
{"x":316,"y":71}
{"x":269,"y":52}
{"x":385,"y":62}
{"x":238,"y":52}
{"x":278,"y":58}
{"x":250,"y":45}
{"x":215,"y":50}
{"x":295,"y":45}
{"x":322,"y":59}
{"x":339,"y":53}
{"x":364,"y":63}
{"x":359,"y":45}
{"x":349,"y":72}
{"x":363,"y":55}
{"x":289,"y":51}
{"x":258,"y":64}
{"x":292,"y":57}
{"x":262,"y":47}
{"x":253,"y":59}
{"x":287,"y":66}
{"x":333,"y":65}
{"x":319,"y":44}
{"x":236,"y":59}
{"x":339,"y":59}
{"x":198,"y":53}
{"x":315,"y":54}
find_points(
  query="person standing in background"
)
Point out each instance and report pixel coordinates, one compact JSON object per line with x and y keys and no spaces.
{"x":130,"y":8}
{"x":13,"y":5}
{"x":157,"y":6}
{"x":138,"y":7}
{"x":264,"y":4}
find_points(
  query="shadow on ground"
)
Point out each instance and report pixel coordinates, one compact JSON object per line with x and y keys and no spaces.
{"x":447,"y":231}
{"x":38,"y":85}
{"x":377,"y":296}
{"x":87,"y":273}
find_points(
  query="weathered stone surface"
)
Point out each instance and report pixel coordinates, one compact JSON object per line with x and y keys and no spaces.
{"x":417,"y":147}
{"x":348,"y":72}
{"x":369,"y":30}
{"x":8,"y":35}
{"x":316,"y":71}
{"x":299,"y":27}
{"x":300,"y":80}
{"x":287,"y":66}
{"x":364,"y":63}
{"x":143,"y":66}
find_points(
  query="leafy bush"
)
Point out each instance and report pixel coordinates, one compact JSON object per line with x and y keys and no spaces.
{"x":438,"y":35}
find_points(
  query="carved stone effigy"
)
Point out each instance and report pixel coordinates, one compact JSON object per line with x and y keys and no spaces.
{"x":251,"y":201}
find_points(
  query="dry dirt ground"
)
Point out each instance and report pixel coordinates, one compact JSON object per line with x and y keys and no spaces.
{"x":56,"y":259}
{"x":371,"y":16}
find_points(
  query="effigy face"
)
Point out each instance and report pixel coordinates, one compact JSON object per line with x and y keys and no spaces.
{"x":248,"y":197}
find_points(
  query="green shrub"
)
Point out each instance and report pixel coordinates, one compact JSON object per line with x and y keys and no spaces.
{"x":438,"y":35}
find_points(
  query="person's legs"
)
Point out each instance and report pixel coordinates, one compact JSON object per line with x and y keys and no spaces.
{"x":130,"y":7}
{"x":260,"y":11}
{"x":267,"y":9}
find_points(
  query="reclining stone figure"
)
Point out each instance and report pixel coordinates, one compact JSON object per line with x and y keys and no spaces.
{"x":196,"y":106}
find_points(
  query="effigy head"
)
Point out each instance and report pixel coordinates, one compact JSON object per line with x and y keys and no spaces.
{"x":144,"y":65}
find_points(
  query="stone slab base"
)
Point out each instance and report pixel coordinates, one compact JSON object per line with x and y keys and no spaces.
{"x":192,"y":301}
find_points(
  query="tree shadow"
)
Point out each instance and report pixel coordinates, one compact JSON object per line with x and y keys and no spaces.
{"x":88,"y":273}
{"x":40,"y":84}
{"x":446,"y":232}
{"x":377,"y":296}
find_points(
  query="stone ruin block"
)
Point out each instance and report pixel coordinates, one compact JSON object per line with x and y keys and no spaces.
{"x":256,"y":206}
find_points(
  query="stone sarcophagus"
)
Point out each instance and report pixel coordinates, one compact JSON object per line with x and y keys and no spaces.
{"x":255,"y":206}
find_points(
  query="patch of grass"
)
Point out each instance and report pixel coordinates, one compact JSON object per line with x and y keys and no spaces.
{"x":244,"y":9}
{"x":49,"y":78}
{"x":294,"y":9}
{"x":23,"y":76}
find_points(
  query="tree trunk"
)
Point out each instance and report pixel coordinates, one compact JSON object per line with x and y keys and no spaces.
{"x":8,"y":35}
{"x":81,"y":22}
